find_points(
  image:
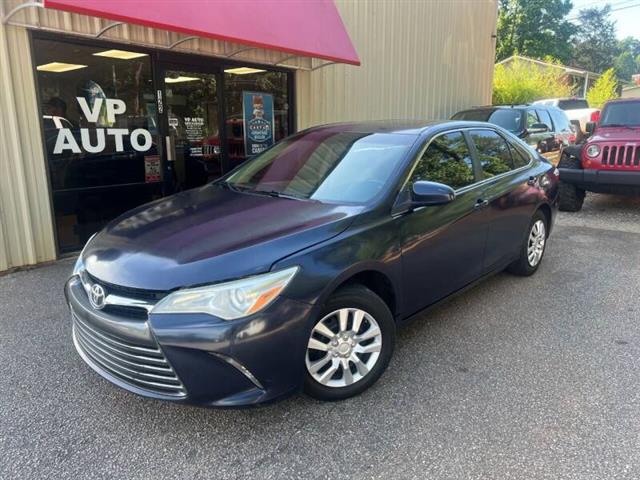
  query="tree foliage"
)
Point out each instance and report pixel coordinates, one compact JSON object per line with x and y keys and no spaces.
{"x":596,"y":46}
{"x":534,"y":28}
{"x":518,"y":83}
{"x":605,"y":89}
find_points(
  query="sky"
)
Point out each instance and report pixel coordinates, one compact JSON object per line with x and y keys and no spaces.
{"x":627,"y":18}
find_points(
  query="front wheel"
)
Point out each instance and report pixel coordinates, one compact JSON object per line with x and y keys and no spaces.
{"x":571,"y":197}
{"x":532,"y":251}
{"x":350,"y":346}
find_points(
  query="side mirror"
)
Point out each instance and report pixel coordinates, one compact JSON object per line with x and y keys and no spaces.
{"x":538,"y":128}
{"x":426,"y":193}
{"x":590,"y":127}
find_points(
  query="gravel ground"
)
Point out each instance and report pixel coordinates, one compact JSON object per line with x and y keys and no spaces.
{"x":534,"y":378}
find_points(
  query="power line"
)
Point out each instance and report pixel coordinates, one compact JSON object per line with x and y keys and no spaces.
{"x":610,"y":11}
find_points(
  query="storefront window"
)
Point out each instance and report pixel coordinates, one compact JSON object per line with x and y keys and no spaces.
{"x":260,"y":93}
{"x":101,"y":134}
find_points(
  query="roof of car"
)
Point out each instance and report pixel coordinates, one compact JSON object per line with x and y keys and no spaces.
{"x":506,"y":107}
{"x":402,"y":127}
{"x":624,"y":100}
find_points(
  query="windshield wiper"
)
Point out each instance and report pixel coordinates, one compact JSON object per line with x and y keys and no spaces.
{"x":274,"y":193}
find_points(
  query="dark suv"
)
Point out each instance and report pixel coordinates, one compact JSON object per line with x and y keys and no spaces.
{"x":294,"y":270}
{"x":547,"y":129}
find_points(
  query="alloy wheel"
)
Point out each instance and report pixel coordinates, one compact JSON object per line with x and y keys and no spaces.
{"x":536,"y":243}
{"x":343,"y":348}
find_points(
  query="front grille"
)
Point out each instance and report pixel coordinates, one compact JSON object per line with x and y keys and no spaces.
{"x":621,"y":155}
{"x":144,"y":367}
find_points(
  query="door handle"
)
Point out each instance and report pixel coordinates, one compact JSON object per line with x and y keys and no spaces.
{"x":481,"y":204}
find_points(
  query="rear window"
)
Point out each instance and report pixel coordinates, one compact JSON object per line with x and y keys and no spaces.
{"x":573,"y":104}
{"x":507,"y":118}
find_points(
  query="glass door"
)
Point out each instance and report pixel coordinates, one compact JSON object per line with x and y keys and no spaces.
{"x":192,"y":118}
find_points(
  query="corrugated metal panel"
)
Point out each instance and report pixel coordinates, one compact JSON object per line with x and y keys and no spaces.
{"x":26,"y":231}
{"x":420,"y":59}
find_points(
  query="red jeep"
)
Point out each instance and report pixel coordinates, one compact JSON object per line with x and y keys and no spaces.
{"x":609,"y":160}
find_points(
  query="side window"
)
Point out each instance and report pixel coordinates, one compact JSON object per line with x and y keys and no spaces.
{"x":447,"y":160}
{"x":520,"y":158}
{"x":532,"y":118}
{"x":546,"y":119}
{"x":493,"y":151}
{"x":561,"y":121}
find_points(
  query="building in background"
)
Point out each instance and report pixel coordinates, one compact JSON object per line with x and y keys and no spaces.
{"x":106,"y":107}
{"x":632,"y":91}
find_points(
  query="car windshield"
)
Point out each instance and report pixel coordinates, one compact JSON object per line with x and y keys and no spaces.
{"x":622,"y":114}
{"x":507,"y":118}
{"x":573,"y":104}
{"x":325,"y":165}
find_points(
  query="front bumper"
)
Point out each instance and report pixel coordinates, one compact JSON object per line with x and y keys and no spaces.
{"x":600,"y":178}
{"x":216,"y":362}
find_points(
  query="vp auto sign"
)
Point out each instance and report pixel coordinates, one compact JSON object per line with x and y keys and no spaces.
{"x":139,"y":138}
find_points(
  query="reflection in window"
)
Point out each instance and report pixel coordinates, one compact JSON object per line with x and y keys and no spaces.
{"x":100,"y":128}
{"x":447,"y":160}
{"x":326,"y":165}
{"x":493,"y":151}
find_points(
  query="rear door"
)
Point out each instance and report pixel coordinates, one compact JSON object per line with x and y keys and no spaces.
{"x":510,"y":192}
{"x":442,"y":246}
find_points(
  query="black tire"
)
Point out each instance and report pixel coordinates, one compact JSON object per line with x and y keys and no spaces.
{"x":571,"y":197}
{"x":522,"y":266}
{"x":361,"y":298}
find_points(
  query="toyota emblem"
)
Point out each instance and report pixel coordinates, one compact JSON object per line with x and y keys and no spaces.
{"x":97,"y":296}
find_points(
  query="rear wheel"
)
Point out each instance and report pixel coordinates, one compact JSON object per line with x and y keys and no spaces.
{"x":350,"y":345}
{"x":571,"y":197}
{"x":532,"y":251}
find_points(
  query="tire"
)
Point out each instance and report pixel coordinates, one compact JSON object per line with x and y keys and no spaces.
{"x":330,"y":345}
{"x":571,"y":197}
{"x":524,"y":266}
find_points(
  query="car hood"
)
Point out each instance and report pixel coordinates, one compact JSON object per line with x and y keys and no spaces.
{"x":616,"y":134}
{"x":208,"y":235}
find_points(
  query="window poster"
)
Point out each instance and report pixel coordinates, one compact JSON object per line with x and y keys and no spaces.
{"x":257,"y":110}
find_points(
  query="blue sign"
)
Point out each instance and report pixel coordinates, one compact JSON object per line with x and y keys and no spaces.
{"x":257,"y":110}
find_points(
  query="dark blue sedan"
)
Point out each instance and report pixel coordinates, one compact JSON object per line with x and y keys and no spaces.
{"x":294,"y":270}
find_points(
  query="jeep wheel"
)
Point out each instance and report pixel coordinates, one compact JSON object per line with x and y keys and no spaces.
{"x":571,"y":197}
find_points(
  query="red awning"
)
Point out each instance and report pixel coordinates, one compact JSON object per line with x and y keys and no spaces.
{"x":309,"y":28}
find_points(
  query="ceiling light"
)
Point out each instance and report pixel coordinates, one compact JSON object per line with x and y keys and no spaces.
{"x":179,"y":79}
{"x":243,"y":70}
{"x":120,"y":54}
{"x":59,"y":67}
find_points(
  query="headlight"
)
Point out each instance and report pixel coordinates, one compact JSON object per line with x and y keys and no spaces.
{"x":593,"y":151}
{"x":230,"y":300}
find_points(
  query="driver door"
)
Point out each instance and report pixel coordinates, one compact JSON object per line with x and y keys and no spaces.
{"x":443,"y":246}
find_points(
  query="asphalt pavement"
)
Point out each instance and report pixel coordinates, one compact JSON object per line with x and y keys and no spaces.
{"x":534,"y":378}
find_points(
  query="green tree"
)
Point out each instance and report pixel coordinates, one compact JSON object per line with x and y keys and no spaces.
{"x":626,"y":65}
{"x":520,"y":82}
{"x":534,"y":28}
{"x":597,"y":46}
{"x":605,"y":89}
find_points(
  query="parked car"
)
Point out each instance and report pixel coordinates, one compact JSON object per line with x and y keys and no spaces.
{"x":576,"y":109}
{"x":546,"y":129}
{"x":609,"y":161}
{"x":294,"y":270}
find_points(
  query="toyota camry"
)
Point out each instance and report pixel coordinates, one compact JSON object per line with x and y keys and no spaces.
{"x":294,"y":271}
